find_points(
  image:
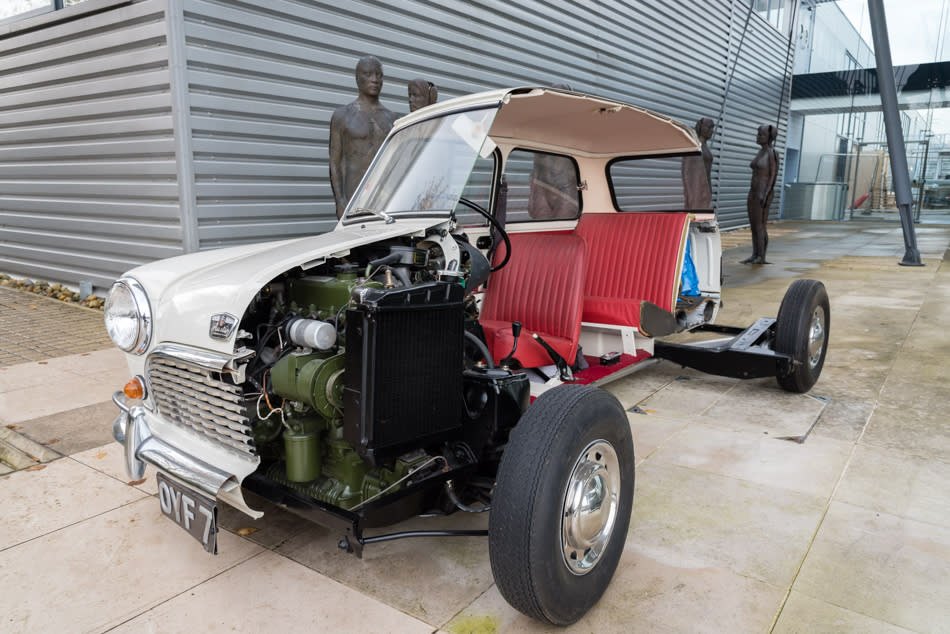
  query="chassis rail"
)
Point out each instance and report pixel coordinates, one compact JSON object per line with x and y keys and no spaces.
{"x":385,"y":511}
{"x":748,"y":354}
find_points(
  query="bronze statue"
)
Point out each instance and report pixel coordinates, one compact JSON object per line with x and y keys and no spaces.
{"x":356,"y":132}
{"x":422,"y":93}
{"x":764,"y":172}
{"x":553,"y":192}
{"x":697,"y":170}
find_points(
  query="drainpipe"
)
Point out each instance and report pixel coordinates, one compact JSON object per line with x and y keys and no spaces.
{"x":895,"y":134}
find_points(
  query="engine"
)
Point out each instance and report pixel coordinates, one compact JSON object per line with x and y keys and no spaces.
{"x":358,"y":384}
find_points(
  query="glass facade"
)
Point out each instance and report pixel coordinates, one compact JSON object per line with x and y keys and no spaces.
{"x":839,"y":149}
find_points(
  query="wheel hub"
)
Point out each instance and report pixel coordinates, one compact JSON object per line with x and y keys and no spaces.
{"x":816,"y":337}
{"x":590,"y":507}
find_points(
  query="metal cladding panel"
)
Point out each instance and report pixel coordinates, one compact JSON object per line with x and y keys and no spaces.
{"x":265,"y":78}
{"x":758,"y":94}
{"x":88,"y":178}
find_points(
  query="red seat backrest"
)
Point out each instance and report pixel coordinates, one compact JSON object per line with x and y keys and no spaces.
{"x":634,"y":255}
{"x":542,"y":286}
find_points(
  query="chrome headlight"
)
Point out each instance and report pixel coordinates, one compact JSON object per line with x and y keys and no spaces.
{"x":128,"y":316}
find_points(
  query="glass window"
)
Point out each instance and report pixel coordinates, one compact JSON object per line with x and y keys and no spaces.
{"x":477,"y":190}
{"x":19,"y":9}
{"x":424,"y":168}
{"x":13,"y":10}
{"x":653,"y":184}
{"x":775,"y":12}
{"x":541,"y":186}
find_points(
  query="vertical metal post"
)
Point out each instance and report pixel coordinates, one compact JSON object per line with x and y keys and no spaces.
{"x":923,"y":175}
{"x":895,"y":134}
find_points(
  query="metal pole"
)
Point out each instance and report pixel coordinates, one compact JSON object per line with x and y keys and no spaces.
{"x":895,"y":135}
{"x":923,"y":175}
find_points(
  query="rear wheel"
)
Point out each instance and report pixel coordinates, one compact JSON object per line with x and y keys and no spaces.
{"x":801,"y":331}
{"x":561,"y":506}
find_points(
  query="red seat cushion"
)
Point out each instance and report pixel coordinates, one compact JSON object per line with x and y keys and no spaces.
{"x":542,"y":286}
{"x":632,"y":256}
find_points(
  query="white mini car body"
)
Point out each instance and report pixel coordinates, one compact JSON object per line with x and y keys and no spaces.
{"x":440,"y":349}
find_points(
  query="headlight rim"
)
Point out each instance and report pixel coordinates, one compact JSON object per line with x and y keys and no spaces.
{"x":143,"y":310}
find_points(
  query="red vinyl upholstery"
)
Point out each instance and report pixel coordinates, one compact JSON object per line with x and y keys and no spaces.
{"x":632,"y":256}
{"x":542,"y":286}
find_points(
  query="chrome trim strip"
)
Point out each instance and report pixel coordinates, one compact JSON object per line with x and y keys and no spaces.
{"x":195,"y":356}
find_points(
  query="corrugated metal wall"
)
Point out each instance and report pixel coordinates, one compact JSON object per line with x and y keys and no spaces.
{"x":88,"y":181}
{"x":758,"y":94}
{"x":253,"y":85}
{"x":265,"y":78}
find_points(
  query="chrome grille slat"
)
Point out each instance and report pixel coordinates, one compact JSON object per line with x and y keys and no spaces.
{"x":207,"y":401}
{"x":204,"y":416}
{"x":193,"y":397}
{"x":203,"y":383}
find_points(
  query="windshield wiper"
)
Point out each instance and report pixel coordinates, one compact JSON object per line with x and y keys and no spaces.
{"x":379,"y":214}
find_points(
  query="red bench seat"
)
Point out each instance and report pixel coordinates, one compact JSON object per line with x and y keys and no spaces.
{"x":632,"y":257}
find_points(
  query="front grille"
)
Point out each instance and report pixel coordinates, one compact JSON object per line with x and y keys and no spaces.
{"x":197,"y":398}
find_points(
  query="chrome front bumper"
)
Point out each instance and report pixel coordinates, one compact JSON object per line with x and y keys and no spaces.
{"x":131,"y":430}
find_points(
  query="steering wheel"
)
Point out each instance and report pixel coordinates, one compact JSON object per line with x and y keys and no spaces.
{"x":496,"y":225}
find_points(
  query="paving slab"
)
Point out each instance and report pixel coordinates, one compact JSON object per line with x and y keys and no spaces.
{"x":759,"y":405}
{"x":812,"y":467}
{"x":72,"y":431}
{"x":651,"y":430}
{"x":890,"y":568}
{"x":898,"y":483}
{"x":99,"y":573}
{"x":43,"y":389}
{"x":909,"y":418}
{"x":269,"y":593}
{"x":109,"y":459}
{"x":690,"y":519}
{"x":431,"y":579}
{"x":805,"y":615}
{"x":38,"y":501}
{"x":649,"y":596}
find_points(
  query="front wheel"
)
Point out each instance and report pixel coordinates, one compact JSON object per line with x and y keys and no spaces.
{"x":801,"y":331}
{"x":561,"y":506}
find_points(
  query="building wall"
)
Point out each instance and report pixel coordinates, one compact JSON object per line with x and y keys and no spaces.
{"x":829,"y":42}
{"x":241,"y":92}
{"x":88,"y":176}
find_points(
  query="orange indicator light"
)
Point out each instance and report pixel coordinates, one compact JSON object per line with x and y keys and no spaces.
{"x":134,"y":389}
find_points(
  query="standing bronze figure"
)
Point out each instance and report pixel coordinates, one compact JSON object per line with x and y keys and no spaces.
{"x":422,"y":93}
{"x":697,"y":170}
{"x":764,"y":172}
{"x":356,"y":132}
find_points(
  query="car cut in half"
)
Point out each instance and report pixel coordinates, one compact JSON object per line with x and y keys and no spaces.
{"x":441,"y":349}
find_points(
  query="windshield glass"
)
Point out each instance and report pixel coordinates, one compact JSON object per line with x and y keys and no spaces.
{"x":424,"y":167}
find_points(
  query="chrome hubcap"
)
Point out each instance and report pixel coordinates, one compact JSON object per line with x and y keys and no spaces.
{"x":590,"y":506}
{"x":816,"y":337}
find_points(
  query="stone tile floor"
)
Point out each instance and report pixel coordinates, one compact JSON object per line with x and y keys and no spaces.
{"x":734,"y":529}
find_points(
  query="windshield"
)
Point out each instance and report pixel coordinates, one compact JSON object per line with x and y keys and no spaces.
{"x":424,"y":167}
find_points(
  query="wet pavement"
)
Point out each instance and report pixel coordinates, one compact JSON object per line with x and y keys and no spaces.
{"x":734,"y":529}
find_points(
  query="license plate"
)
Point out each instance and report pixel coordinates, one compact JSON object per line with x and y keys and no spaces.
{"x":194,"y":512}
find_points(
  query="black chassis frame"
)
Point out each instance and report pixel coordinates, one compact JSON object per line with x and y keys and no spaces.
{"x":395,"y":507}
{"x":746,"y":354}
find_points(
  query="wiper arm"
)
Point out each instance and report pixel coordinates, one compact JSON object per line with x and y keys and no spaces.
{"x":379,"y":214}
